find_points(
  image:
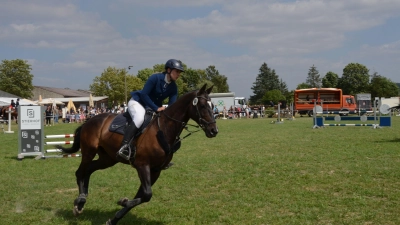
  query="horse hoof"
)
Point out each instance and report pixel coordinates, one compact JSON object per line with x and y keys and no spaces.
{"x":109,"y":222}
{"x":123,"y":201}
{"x":76,"y":211}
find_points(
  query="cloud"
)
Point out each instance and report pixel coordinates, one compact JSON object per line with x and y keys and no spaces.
{"x":64,"y":39}
{"x":55,"y":25}
{"x":297,"y":27}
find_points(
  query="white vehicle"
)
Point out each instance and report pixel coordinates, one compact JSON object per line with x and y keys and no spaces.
{"x":241,"y":102}
{"x":222,"y":100}
{"x":227,"y":99}
{"x":391,"y":102}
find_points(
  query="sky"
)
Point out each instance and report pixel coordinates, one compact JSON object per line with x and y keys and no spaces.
{"x":69,"y":43}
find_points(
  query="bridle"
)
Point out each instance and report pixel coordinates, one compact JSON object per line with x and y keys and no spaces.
{"x":195,"y":101}
{"x":202,"y":122}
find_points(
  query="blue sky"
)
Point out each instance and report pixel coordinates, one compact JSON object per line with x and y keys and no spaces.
{"x":69,"y":43}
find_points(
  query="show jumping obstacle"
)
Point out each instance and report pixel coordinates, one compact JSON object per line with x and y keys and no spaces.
{"x":379,"y":120}
{"x":59,"y":143}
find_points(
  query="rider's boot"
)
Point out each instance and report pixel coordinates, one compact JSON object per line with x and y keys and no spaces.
{"x":124,"y":151}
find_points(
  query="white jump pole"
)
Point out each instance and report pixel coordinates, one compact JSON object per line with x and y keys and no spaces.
{"x":9,"y":123}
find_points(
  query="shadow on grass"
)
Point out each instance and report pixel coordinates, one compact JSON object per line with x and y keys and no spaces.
{"x":392,"y":140}
{"x":100,"y":217}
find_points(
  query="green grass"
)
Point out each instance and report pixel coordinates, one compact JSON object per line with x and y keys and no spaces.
{"x":253,"y":172}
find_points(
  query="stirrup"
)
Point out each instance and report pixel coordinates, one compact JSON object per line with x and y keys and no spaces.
{"x":123,"y":150}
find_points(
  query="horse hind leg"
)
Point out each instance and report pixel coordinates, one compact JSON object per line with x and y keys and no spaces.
{"x":85,"y":172}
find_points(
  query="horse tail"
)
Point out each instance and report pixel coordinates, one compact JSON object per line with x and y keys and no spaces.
{"x":76,"y":145}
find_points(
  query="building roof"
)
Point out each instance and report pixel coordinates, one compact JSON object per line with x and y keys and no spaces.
{"x":66,"y":92}
{"x":6,"y":94}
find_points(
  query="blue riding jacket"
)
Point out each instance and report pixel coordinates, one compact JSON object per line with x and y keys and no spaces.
{"x":154,"y":92}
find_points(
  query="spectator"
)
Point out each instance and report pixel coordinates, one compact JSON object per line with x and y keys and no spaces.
{"x":56,"y":114}
{"x":49,"y":115}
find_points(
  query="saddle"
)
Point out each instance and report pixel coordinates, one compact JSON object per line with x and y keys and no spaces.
{"x":122,"y":120}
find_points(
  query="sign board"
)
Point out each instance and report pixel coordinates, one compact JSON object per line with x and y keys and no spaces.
{"x":363,"y":97}
{"x":30,"y":132}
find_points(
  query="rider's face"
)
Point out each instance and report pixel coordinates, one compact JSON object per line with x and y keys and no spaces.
{"x":175,"y":74}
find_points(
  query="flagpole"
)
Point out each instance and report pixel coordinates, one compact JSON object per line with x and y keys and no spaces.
{"x":126,"y":98}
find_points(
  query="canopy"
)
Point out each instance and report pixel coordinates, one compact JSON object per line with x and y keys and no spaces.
{"x":70,"y":106}
{"x":49,"y":101}
{"x":5,"y":101}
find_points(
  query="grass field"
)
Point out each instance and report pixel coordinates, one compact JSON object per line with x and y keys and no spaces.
{"x":253,"y":172}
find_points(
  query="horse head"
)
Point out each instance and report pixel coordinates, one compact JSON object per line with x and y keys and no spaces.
{"x":202,"y":111}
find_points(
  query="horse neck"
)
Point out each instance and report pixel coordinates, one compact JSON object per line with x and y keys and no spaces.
{"x":176,"y":117}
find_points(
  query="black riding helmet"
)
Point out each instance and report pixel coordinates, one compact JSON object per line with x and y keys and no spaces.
{"x":174,"y":64}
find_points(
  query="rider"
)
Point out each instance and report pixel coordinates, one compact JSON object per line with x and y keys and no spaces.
{"x":158,"y":87}
{"x":12,"y":103}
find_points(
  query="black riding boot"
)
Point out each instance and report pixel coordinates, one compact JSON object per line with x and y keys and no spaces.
{"x":130,"y":131}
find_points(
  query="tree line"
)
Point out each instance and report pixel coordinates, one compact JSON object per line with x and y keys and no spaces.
{"x":117,"y":83}
{"x":354,"y":80}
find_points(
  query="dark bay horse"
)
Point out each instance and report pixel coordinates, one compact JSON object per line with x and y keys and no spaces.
{"x":93,"y":137}
{"x":4,"y":114}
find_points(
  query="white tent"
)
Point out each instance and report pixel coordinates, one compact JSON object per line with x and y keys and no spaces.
{"x":47,"y":101}
{"x":4,"y":101}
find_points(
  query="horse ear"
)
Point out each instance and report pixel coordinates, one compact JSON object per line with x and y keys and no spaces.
{"x":202,"y":89}
{"x":210,"y":89}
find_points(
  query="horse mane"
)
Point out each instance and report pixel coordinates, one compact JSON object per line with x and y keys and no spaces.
{"x":184,"y":99}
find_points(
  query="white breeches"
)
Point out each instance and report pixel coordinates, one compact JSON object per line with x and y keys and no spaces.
{"x":137,"y":112}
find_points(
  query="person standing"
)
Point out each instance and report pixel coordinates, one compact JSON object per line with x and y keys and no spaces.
{"x":157,"y":88}
{"x":56,"y":114}
{"x":49,"y":114}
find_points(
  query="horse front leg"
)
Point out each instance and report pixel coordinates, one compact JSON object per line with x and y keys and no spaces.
{"x":143,"y":195}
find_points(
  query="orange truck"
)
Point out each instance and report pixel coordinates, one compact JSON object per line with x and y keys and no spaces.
{"x":331,"y":100}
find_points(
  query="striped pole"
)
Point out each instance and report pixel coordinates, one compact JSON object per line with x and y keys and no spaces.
{"x":63,"y":156}
{"x":59,"y":142}
{"x":61,"y":136}
{"x":53,"y":150}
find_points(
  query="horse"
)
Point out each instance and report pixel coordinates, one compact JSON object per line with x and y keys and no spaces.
{"x":4,"y":114}
{"x":153,"y":147}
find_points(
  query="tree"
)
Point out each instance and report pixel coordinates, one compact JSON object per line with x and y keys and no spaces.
{"x":111,"y":83}
{"x":16,"y":77}
{"x":274,"y":95}
{"x":266,"y":80}
{"x":382,"y":87}
{"x":144,"y":74}
{"x":219,"y":81}
{"x":330,"y":80}
{"x":283,"y":87}
{"x":192,"y":78}
{"x":303,"y":86}
{"x":313,"y":78}
{"x":355,"y":79}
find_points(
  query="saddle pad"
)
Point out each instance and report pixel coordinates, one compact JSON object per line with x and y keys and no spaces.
{"x":118,"y":124}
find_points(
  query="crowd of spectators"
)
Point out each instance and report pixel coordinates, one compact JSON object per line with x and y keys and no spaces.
{"x":79,"y":116}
